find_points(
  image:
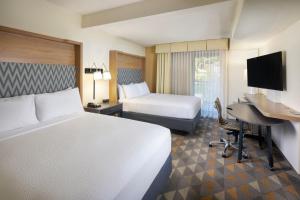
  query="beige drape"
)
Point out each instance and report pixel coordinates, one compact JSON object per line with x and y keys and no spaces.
{"x":200,"y":45}
{"x":163,"y":80}
{"x":182,"y":66}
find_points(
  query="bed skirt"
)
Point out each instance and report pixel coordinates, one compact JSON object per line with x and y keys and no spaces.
{"x":188,"y":125}
{"x":160,"y":180}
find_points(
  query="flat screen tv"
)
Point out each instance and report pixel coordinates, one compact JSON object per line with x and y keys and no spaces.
{"x":267,"y":71}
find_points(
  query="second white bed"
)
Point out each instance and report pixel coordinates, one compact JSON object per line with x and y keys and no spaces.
{"x":167,"y":105}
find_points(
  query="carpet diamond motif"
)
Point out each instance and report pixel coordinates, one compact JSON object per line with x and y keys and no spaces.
{"x":200,"y":172}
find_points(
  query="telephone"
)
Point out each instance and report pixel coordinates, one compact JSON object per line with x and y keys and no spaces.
{"x":93,"y":105}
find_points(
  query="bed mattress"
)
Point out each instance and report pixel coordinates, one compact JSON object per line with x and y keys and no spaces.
{"x":82,"y":157}
{"x":167,"y":105}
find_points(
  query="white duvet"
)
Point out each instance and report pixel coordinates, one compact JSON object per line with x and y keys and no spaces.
{"x":168,"y":105}
{"x":90,"y":156}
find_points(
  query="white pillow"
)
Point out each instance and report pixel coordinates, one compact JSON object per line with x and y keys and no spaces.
{"x":131,"y":91}
{"x":146,"y":88}
{"x":51,"y":105}
{"x":121,"y":92}
{"x":143,"y":88}
{"x":17,"y":112}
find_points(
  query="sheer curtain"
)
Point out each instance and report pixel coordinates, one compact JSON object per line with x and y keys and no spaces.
{"x":203,"y":74}
{"x":210,"y":76}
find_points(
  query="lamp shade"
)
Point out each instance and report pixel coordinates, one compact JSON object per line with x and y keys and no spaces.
{"x":97,"y":75}
{"x":106,"y":75}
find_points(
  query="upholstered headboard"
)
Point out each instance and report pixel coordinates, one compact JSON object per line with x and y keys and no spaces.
{"x":24,"y":78}
{"x":31,"y":63}
{"x":125,"y":68}
{"x":129,"y":75}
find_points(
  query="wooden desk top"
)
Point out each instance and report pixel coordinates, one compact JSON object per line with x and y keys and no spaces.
{"x":271,"y":109}
{"x":248,"y":113}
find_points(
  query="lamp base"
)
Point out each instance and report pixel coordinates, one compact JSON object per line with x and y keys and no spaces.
{"x":93,"y":105}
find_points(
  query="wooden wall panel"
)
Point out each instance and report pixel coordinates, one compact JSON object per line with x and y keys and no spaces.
{"x":130,"y":61}
{"x":113,"y":68}
{"x":118,"y":59}
{"x":150,"y":68}
{"x":26,"y":47}
{"x":80,"y":70}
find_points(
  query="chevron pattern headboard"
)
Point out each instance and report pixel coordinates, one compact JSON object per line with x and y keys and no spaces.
{"x":24,"y":78}
{"x":129,"y":75}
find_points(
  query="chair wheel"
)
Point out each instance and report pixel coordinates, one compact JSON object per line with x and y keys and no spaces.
{"x":245,"y":156}
{"x":210,"y":145}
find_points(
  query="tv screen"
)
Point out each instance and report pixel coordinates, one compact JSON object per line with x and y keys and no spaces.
{"x":266,"y":71}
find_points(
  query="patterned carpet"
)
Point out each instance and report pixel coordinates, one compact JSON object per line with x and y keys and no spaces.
{"x":200,"y":172}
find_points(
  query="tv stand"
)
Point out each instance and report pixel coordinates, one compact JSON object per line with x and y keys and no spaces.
{"x":272,"y":109}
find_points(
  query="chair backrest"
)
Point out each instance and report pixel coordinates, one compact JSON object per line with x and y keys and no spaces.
{"x":219,"y":109}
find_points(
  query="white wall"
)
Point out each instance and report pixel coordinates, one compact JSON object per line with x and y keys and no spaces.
{"x":287,"y":137}
{"x":237,"y":79}
{"x":42,"y":17}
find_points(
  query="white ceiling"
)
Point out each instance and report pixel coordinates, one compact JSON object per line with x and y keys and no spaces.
{"x":90,"y":6}
{"x":253,"y":23}
{"x":262,"y":19}
{"x":205,"y":22}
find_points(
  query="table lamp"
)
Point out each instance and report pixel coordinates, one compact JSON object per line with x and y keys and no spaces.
{"x":106,"y":76}
{"x":98,"y":74}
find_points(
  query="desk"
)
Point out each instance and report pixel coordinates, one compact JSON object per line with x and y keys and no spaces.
{"x":249,"y":114}
{"x":272,"y":109}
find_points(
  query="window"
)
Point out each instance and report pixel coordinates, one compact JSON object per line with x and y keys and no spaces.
{"x":200,"y":73}
{"x":208,"y":80}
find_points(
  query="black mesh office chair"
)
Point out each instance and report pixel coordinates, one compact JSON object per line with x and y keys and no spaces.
{"x":231,"y":127}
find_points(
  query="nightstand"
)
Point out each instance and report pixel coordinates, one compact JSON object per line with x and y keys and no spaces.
{"x":107,"y":109}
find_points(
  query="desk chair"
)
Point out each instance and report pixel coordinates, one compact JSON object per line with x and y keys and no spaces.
{"x":231,"y":127}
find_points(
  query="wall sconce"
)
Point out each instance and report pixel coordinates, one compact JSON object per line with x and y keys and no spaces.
{"x":98,"y":74}
{"x":106,"y":74}
{"x":92,"y":69}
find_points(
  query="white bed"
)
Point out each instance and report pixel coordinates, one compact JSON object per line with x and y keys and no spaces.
{"x":82,"y":156}
{"x":167,"y":105}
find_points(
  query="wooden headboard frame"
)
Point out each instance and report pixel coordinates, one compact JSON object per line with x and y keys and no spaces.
{"x":27,"y":47}
{"x":118,"y":59}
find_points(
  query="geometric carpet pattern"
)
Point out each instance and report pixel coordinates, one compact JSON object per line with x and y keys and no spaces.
{"x":200,"y":172}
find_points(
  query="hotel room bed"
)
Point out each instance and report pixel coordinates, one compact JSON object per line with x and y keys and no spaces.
{"x":176,"y":112}
{"x":49,"y":152}
{"x":167,"y":105}
{"x":84,"y":156}
{"x":172,"y":111}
